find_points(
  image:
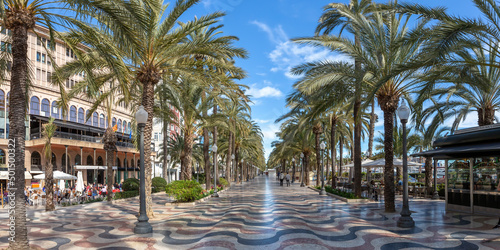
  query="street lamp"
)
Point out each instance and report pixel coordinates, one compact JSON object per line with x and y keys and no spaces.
{"x":405,"y":220}
{"x":293,"y":168}
{"x":214,"y":149}
{"x":142,"y":226}
{"x":322,"y":147}
{"x":302,"y":168}
{"x":168,"y":172}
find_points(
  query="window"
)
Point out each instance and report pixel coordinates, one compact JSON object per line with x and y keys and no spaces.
{"x":6,"y":47}
{"x":89,"y":121}
{"x":38,"y":42}
{"x":43,"y":58}
{"x":67,"y":83}
{"x":38,"y":55}
{"x":36,"y":159}
{"x":124,"y":127}
{"x":129,"y":128}
{"x":101,"y":120}
{"x":35,"y":106}
{"x":72,"y":83}
{"x":95,"y":119}
{"x":55,"y":110}
{"x":38,"y":74}
{"x":119,"y":125}
{"x":81,"y":113}
{"x":44,"y":75}
{"x":67,"y":51}
{"x":49,"y":77}
{"x":72,"y":114}
{"x":113,"y":122}
{"x":72,"y":53}
{"x":45,"y":107}
{"x":157,"y":136}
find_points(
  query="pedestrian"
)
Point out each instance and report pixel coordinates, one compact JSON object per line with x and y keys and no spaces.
{"x":282,"y":177}
{"x":288,"y":179}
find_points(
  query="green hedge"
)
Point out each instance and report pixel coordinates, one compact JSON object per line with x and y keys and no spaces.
{"x":341,"y":193}
{"x":158,"y":184}
{"x":223,"y":182}
{"x":126,"y":194}
{"x":185,"y":191}
{"x":131,"y":184}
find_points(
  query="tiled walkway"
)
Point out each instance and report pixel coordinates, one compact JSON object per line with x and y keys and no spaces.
{"x":260,"y":215}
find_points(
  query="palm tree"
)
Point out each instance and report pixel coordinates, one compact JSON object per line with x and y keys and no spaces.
{"x":21,"y":16}
{"x":141,"y":43}
{"x":49,"y":130}
{"x":346,"y":17}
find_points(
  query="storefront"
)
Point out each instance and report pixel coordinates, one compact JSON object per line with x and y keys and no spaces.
{"x":472,"y":169}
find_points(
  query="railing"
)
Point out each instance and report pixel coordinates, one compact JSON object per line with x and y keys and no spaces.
{"x":78,"y":137}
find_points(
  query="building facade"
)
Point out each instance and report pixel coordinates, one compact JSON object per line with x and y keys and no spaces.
{"x":77,"y":144}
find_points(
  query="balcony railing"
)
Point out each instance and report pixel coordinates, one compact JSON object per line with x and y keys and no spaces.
{"x":78,"y":137}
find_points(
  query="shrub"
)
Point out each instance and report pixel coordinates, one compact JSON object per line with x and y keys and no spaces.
{"x":341,"y":193}
{"x":125,"y":194}
{"x":223,"y":182}
{"x":185,"y":191}
{"x":158,"y":184}
{"x":131,"y":184}
{"x":199,"y":176}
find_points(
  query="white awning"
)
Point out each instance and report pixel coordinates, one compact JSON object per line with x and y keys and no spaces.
{"x":4,"y":175}
{"x":57,"y":175}
{"x":83,"y":167}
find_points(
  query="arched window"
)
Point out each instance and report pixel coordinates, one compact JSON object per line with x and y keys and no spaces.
{"x":101,"y":121}
{"x":36,"y":159}
{"x":89,"y":121}
{"x":95,"y":119}
{"x":46,"y":107}
{"x":90,"y":160}
{"x":8,"y":97}
{"x":81,"y":114}
{"x":55,"y":110}
{"x":129,"y":128}
{"x":35,"y":106}
{"x":125,"y":127}
{"x":54,"y":161}
{"x":72,"y":113}
{"x":119,"y":125}
{"x":100,"y":162}
{"x":113,"y":122}
{"x":132,"y":163}
{"x":2,"y":157}
{"x":118,"y":164}
{"x":78,"y":160}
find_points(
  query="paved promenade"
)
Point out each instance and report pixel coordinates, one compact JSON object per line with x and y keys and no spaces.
{"x":259,"y":215}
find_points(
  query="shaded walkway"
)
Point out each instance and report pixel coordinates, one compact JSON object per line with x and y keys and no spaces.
{"x":260,"y":214}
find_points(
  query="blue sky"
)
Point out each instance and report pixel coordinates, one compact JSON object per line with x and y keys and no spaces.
{"x":265,"y":29}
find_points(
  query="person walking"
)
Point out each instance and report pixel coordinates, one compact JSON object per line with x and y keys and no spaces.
{"x":288,"y":179}
{"x":282,"y":177}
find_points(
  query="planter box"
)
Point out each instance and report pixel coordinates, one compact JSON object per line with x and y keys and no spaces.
{"x":343,"y":198}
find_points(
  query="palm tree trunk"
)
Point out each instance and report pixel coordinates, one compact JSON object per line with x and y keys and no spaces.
{"x":17,"y":116}
{"x":357,"y":124}
{"x":228,"y":158}
{"x":109,"y":163}
{"x":148,"y":103}
{"x":389,"y":165}
{"x":206,"y":155}
{"x":318,"y":158}
{"x":236,"y":163}
{"x":165,"y":149}
{"x":306,"y":168}
{"x":49,"y":186}
{"x":216,"y":171}
{"x":486,"y":116}
{"x":293,"y":170}
{"x":341,"y":151}
{"x":186,"y":168}
{"x":333,"y":150}
{"x":428,"y":175}
{"x":373,"y":117}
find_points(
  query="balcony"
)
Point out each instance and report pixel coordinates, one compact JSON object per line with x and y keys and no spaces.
{"x":78,"y":137}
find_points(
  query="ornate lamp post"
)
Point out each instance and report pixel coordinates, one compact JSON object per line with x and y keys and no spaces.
{"x":214,"y":149}
{"x":322,"y":147}
{"x":168,"y":172}
{"x":405,"y":220}
{"x":302,"y":168}
{"x":142,"y":226}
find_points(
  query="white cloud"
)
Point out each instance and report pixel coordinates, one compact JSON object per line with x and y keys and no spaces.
{"x":264,"y":92}
{"x":287,"y":54}
{"x":261,"y":121}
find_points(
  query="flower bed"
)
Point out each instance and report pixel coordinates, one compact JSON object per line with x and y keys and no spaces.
{"x":338,"y":192}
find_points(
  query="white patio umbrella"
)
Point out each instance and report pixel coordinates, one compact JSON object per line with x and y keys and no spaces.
{"x":58,"y":175}
{"x":363,"y":163}
{"x":79,"y":182}
{"x":381,"y":163}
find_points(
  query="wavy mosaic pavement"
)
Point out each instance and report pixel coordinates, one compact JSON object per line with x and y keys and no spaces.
{"x":259,"y":215}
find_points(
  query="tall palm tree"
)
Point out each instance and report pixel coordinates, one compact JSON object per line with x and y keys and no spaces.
{"x":21,"y":16}
{"x":141,"y":42}
{"x":345,"y":17}
{"x":49,"y":130}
